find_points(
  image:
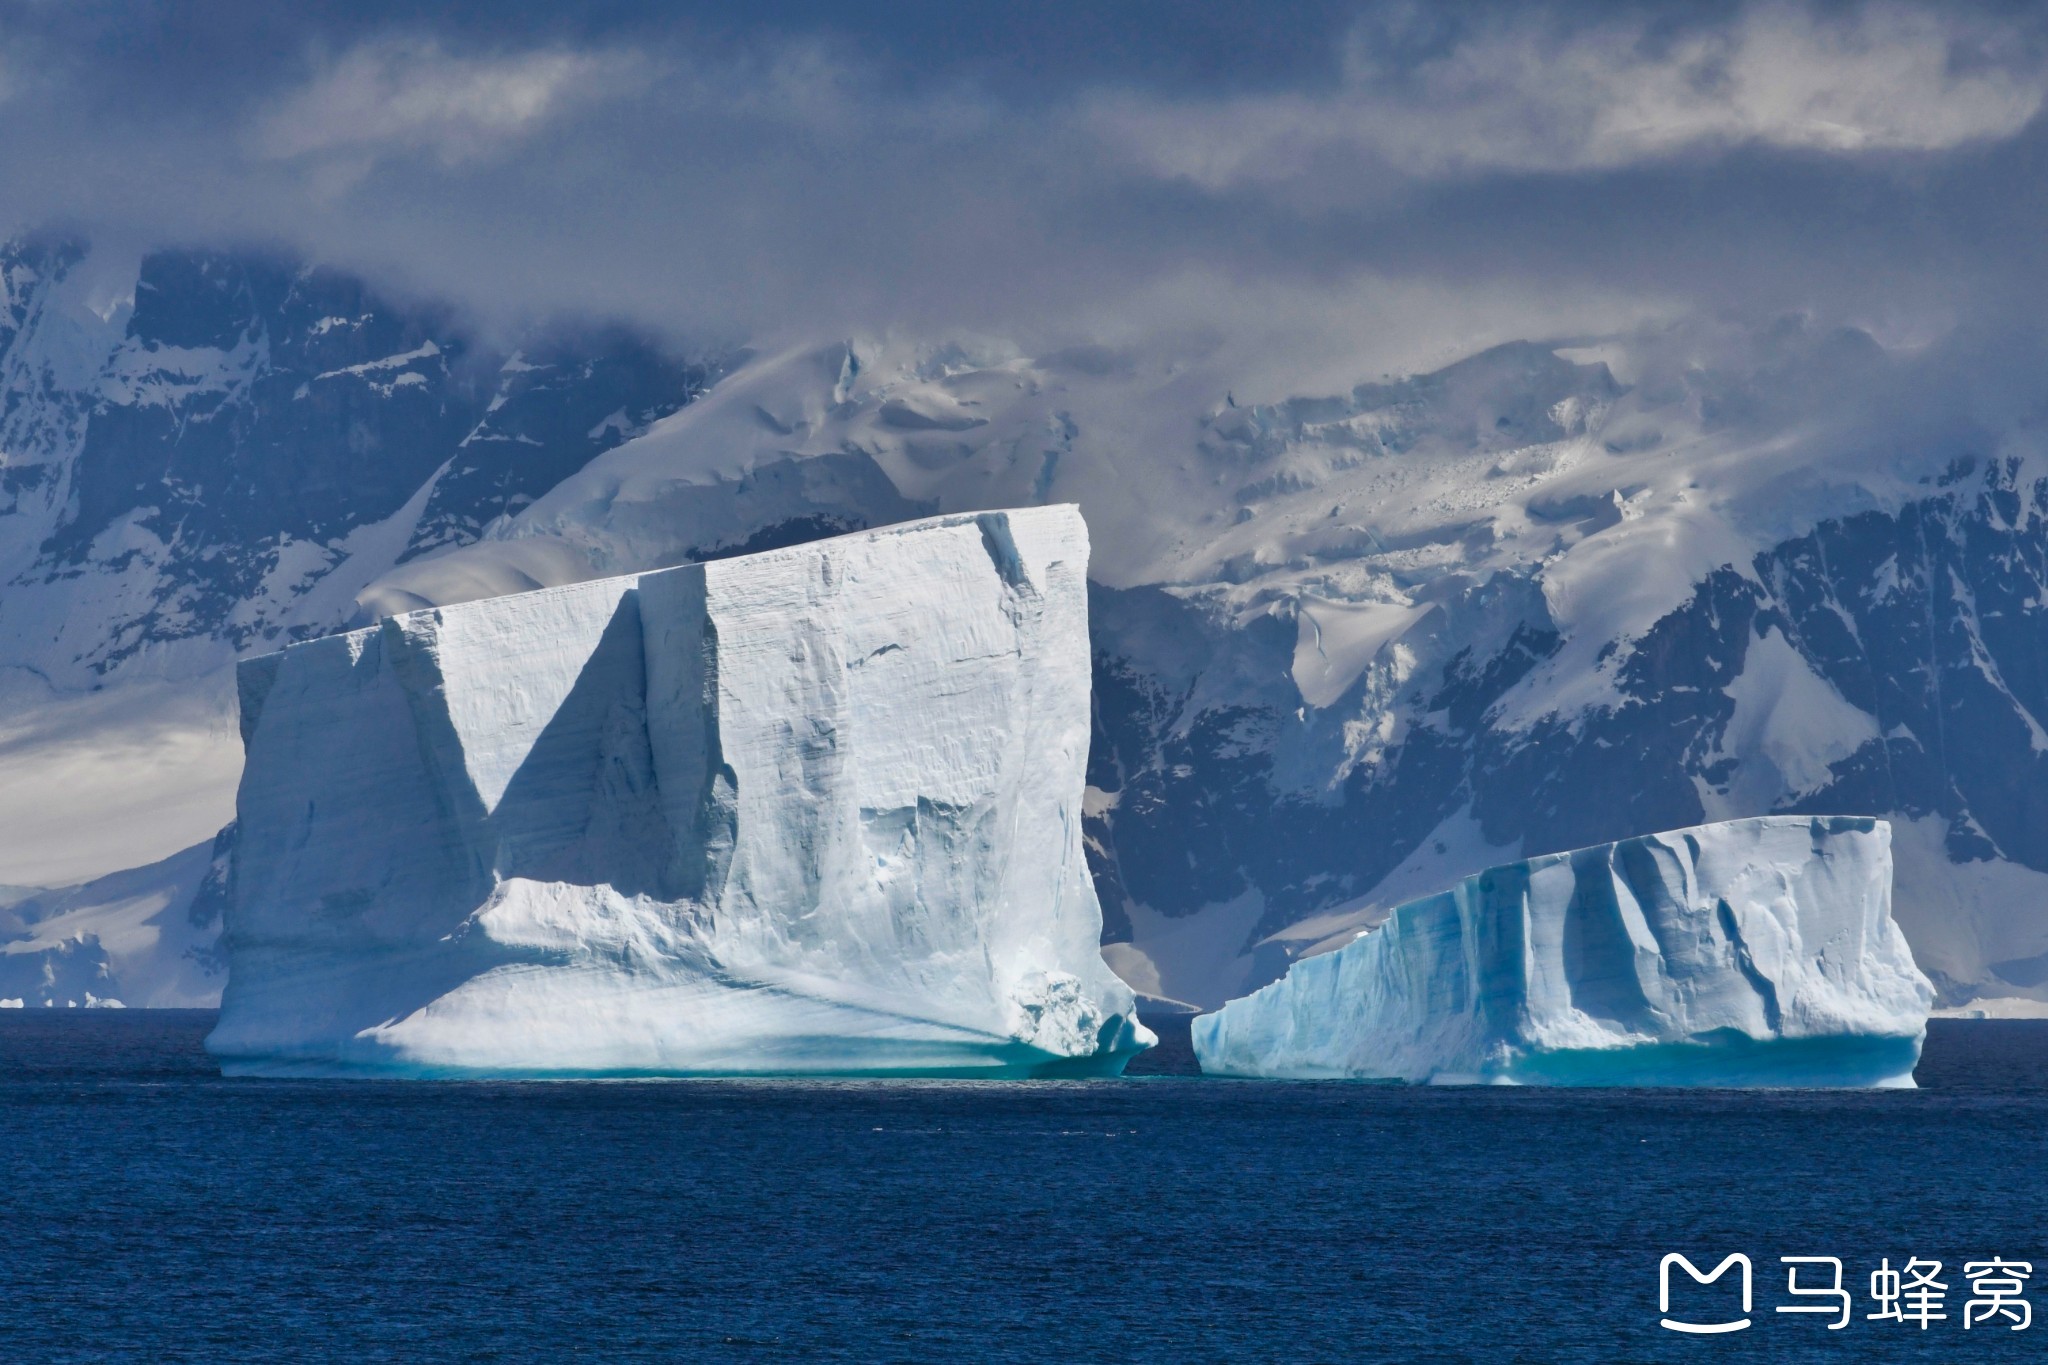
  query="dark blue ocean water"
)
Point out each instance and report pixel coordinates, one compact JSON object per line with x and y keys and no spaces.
{"x":153,"y":1211}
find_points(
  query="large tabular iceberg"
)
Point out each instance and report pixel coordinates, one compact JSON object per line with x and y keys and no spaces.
{"x":816,"y":810}
{"x":1755,"y":952}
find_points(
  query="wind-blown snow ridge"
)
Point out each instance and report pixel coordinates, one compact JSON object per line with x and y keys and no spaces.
{"x":816,"y":810}
{"x":1755,"y":952}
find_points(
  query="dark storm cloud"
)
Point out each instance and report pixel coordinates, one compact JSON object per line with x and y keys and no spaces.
{"x":1324,"y":171}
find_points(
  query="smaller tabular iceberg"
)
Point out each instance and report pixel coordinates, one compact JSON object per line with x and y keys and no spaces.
{"x":1751,"y":953}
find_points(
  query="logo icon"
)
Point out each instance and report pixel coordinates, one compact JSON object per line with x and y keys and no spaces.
{"x":1664,"y":1292}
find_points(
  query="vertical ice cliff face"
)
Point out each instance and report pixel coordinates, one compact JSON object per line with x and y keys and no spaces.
{"x":1753,"y":952}
{"x":816,"y":810}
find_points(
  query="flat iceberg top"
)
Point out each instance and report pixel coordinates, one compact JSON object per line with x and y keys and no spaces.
{"x":1751,"y":952}
{"x":813,"y":810}
{"x":1055,"y":513}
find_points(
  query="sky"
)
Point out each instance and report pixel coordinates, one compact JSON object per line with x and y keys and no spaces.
{"x":1324,"y":190}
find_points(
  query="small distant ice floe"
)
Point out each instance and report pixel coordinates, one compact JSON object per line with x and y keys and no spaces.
{"x":92,"y":1002}
{"x":1754,"y":952}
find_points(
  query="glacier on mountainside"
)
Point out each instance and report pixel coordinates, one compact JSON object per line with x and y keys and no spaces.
{"x":146,"y":937}
{"x":815,"y":810}
{"x":1755,"y":952}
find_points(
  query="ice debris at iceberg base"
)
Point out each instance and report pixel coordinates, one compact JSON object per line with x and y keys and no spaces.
{"x":813,"y":811}
{"x":1749,"y":953}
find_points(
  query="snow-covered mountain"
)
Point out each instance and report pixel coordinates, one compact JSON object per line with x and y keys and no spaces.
{"x":1349,"y":646}
{"x":205,"y":455}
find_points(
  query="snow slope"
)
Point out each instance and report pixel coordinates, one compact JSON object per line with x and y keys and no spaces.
{"x":815,"y":810}
{"x":1755,"y":952}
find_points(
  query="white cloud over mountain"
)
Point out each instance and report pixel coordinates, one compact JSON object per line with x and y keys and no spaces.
{"x":410,"y":94}
{"x":1014,"y":171}
{"x":1534,"y":92}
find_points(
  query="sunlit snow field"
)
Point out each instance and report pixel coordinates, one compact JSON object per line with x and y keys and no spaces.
{"x":158,"y":1212}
